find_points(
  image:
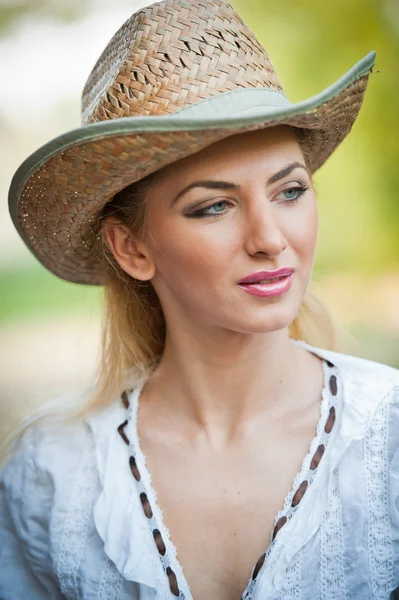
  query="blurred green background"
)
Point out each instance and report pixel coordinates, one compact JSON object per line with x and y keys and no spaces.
{"x":49,"y":328}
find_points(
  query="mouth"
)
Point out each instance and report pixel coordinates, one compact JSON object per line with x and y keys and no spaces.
{"x":274,"y":286}
{"x":266,"y":277}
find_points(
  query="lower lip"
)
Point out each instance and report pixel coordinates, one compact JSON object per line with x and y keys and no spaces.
{"x":268,"y":289}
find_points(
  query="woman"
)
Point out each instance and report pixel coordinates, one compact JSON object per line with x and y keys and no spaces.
{"x":217,"y":431}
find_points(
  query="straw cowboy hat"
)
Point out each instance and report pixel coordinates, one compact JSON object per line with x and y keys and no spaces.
{"x":178,"y":76}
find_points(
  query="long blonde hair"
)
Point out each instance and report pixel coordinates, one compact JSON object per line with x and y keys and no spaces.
{"x":134,"y":329}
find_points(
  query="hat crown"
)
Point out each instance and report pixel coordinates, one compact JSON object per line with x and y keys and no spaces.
{"x":171,"y":55}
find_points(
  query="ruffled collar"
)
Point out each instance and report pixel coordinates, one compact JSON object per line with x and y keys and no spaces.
{"x":118,"y":511}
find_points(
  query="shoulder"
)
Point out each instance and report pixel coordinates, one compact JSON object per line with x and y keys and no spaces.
{"x":45,"y":453}
{"x":35,"y":486}
{"x":363,"y":368}
{"x":368,"y":374}
{"x":367,"y":383}
{"x":51,"y":466}
{"x":49,"y":484}
{"x":357,"y":367}
{"x":45,"y":457}
{"x":367,"y":386}
{"x":51,"y":454}
{"x":57,"y":434}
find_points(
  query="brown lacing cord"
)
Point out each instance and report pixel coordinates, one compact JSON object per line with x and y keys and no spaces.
{"x":299,"y":494}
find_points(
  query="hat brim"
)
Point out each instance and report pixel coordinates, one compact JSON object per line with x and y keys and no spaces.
{"x":57,"y":191}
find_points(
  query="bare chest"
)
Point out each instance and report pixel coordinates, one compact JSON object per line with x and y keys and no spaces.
{"x":220,"y":510}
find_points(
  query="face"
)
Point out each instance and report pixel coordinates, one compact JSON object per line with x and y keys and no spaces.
{"x":257,"y":211}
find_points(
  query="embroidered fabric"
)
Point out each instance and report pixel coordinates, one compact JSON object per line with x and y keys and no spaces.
{"x":118,"y":514}
{"x":306,"y":474}
{"x":302,"y":481}
{"x":377,"y":477}
{"x":111,"y":582}
{"x":124,"y":528}
{"x":40,"y":531}
{"x":169,"y":558}
{"x":73,"y":538}
{"x":332,"y":582}
{"x":291,"y":587}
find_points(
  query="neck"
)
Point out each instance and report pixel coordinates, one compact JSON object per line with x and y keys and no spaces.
{"x":218,"y":384}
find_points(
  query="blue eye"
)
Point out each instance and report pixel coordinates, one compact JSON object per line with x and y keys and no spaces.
{"x":218,"y":208}
{"x":295,"y":193}
{"x":217,"y":204}
{"x":207,"y":210}
{"x":292,"y":193}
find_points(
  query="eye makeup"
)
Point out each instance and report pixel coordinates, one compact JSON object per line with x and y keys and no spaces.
{"x":299,"y":190}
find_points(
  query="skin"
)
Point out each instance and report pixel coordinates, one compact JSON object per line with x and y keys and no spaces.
{"x":233,"y":404}
{"x":222,"y":344}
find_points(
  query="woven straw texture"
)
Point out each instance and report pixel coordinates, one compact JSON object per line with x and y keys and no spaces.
{"x":171,"y":55}
{"x":164,"y":58}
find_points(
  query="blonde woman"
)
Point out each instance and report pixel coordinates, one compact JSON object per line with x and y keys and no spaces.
{"x":228,"y":452}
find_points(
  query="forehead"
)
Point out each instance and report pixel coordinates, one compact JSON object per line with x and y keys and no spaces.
{"x":269,"y":148}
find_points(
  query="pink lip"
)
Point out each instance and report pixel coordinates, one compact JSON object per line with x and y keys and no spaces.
{"x":255,"y":277}
{"x":268,"y":289}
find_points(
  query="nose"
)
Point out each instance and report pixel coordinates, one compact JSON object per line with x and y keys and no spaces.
{"x":263,"y":232}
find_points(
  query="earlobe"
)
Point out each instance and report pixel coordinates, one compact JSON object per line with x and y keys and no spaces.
{"x":129,"y":252}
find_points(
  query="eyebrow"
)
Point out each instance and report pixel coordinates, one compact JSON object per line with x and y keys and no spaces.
{"x":227,"y":185}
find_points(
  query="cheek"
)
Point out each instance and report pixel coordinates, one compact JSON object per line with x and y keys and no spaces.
{"x":301,"y":232}
{"x":194,"y":247}
{"x":195,"y":242}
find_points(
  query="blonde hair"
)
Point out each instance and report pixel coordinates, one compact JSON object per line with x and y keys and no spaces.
{"x":133,"y":321}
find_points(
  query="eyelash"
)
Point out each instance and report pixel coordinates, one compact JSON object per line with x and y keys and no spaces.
{"x":201,"y":213}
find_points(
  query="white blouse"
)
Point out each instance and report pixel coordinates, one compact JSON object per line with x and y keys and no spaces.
{"x":80,"y":517}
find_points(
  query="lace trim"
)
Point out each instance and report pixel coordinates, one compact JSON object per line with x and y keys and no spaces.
{"x":306,"y":476}
{"x":377,"y":480}
{"x":111,"y":582}
{"x":332,"y":579}
{"x":291,"y":587}
{"x":76,"y":525}
{"x":321,"y":437}
{"x":306,"y":473}
{"x":156,"y":521}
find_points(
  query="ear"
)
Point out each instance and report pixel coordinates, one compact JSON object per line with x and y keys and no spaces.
{"x":131,"y":254}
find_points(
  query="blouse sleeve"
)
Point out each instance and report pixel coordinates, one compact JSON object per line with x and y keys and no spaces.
{"x":393,"y":449}
{"x":26,"y":493}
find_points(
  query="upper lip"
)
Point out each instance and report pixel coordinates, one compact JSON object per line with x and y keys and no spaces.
{"x":255,"y":277}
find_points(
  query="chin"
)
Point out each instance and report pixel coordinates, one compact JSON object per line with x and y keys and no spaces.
{"x":271,"y":314}
{"x":268,"y":327}
{"x":266,"y":321}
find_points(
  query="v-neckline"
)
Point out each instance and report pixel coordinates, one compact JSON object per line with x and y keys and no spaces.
{"x":169,"y":558}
